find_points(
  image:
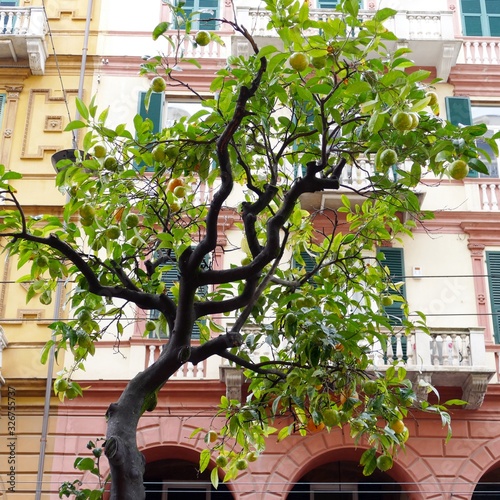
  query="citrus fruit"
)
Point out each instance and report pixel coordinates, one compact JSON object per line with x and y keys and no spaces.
{"x":387,"y":301}
{"x":132,"y":220}
{"x":245,"y":261}
{"x":252,"y":456}
{"x":384,"y":462}
{"x":84,"y":315}
{"x":84,"y":340}
{"x":60,"y":385}
{"x":71,"y":392}
{"x":174,"y":207}
{"x":158,"y":84}
{"x":312,"y":427}
{"x":221,"y":461}
{"x":110,"y":163}
{"x":42,"y":261}
{"x":388,"y":157}
{"x":331,"y":417}
{"x":113,"y":232}
{"x":402,"y":121}
{"x":99,"y":151}
{"x":150,"y":326}
{"x":370,"y":387}
{"x":159,"y":153}
{"x":87,"y":211}
{"x":202,"y":38}
{"x":458,"y":170}
{"x":398,"y":426}
{"x":415,"y":120}
{"x":86,"y":221}
{"x":241,"y":464}
{"x":319,"y":62}
{"x":298,"y":61}
{"x":211,"y":437}
{"x":173,"y":183}
{"x":180,"y":191}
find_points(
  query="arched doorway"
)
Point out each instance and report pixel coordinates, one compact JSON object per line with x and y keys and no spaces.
{"x":344,"y":480}
{"x":180,"y":480}
{"x":488,"y":486}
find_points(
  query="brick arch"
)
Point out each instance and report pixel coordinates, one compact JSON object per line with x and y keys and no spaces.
{"x":305,"y":454}
{"x":481,"y":461}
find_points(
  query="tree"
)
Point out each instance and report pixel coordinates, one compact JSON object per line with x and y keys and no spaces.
{"x":283,"y":123}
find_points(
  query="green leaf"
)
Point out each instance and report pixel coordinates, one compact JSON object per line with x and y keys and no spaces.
{"x":214,"y":477}
{"x":160,"y":29}
{"x":84,"y":464}
{"x":75,"y":124}
{"x":82,"y":109}
{"x":204,"y":459}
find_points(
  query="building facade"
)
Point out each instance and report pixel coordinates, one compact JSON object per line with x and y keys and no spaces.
{"x":52,"y":52}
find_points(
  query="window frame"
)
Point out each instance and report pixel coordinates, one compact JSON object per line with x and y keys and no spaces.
{"x":198,"y":24}
{"x":492,"y":269}
{"x":484,"y":19}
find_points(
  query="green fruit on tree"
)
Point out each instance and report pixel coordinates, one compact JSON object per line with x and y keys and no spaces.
{"x":150,"y":326}
{"x":42,"y":261}
{"x":84,"y":315}
{"x":87,"y":211}
{"x":241,"y":464}
{"x":113,"y":232}
{"x":387,"y":301}
{"x":202,"y":38}
{"x":71,"y":392}
{"x":221,"y":461}
{"x":319,"y":62}
{"x":415,"y":120}
{"x":99,"y":151}
{"x":86,"y":221}
{"x":398,"y":426}
{"x":159,"y":152}
{"x":331,"y":417}
{"x":370,"y":387}
{"x":388,"y":157}
{"x":402,"y":121}
{"x":110,"y":163}
{"x":60,"y":385}
{"x":298,"y":61}
{"x":252,"y":456}
{"x":180,"y":191}
{"x":158,"y":84}
{"x":174,"y":207}
{"x":211,"y":437}
{"x":384,"y":462}
{"x":433,"y":98}
{"x":84,"y":340}
{"x":245,"y":261}
{"x":132,"y":220}
{"x":458,"y":170}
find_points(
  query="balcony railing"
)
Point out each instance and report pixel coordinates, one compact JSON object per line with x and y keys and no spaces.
{"x":483,"y":194}
{"x":22,"y":37}
{"x":187,"y":371}
{"x":480,"y":51}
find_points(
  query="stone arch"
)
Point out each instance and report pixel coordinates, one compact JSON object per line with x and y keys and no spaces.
{"x":301,"y":455}
{"x":479,"y":462}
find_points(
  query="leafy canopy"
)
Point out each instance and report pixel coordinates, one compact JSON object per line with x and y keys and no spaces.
{"x":264,"y":141}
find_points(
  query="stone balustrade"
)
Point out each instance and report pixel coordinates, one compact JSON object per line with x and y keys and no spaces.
{"x":187,"y":371}
{"x":480,"y":51}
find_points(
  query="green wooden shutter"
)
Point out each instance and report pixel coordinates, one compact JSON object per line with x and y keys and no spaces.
{"x":330,"y":4}
{"x":481,"y":17}
{"x":393,"y":259}
{"x":3,"y":100}
{"x":206,"y":10}
{"x":458,"y":112}
{"x":169,"y":276}
{"x":493,"y":267}
{"x":154,"y":111}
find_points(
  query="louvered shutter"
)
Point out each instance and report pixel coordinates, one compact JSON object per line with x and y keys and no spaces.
{"x":393,"y":259}
{"x":154,"y":111}
{"x":493,"y":267}
{"x":458,"y":112}
{"x":3,"y":100}
{"x":202,"y":20}
{"x":169,"y":276}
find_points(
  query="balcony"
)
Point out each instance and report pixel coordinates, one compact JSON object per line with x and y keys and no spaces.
{"x":429,"y":35}
{"x":481,"y":50}
{"x":22,"y":38}
{"x":447,"y":358}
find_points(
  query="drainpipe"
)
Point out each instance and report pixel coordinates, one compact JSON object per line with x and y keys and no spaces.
{"x":57,"y":306}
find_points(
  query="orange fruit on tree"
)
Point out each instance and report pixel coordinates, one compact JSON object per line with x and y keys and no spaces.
{"x":312,"y":427}
{"x":173,"y":183}
{"x":398,"y":426}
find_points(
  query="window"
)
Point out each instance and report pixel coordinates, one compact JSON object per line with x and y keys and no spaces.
{"x":205,"y":13}
{"x":493,"y":268}
{"x":329,"y":4}
{"x":169,"y":276}
{"x":489,"y":115}
{"x":154,"y":111}
{"x":3,"y":100}
{"x":393,"y":259}
{"x":481,"y":17}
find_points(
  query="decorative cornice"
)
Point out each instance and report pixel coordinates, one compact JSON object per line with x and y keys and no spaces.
{"x":478,"y":80}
